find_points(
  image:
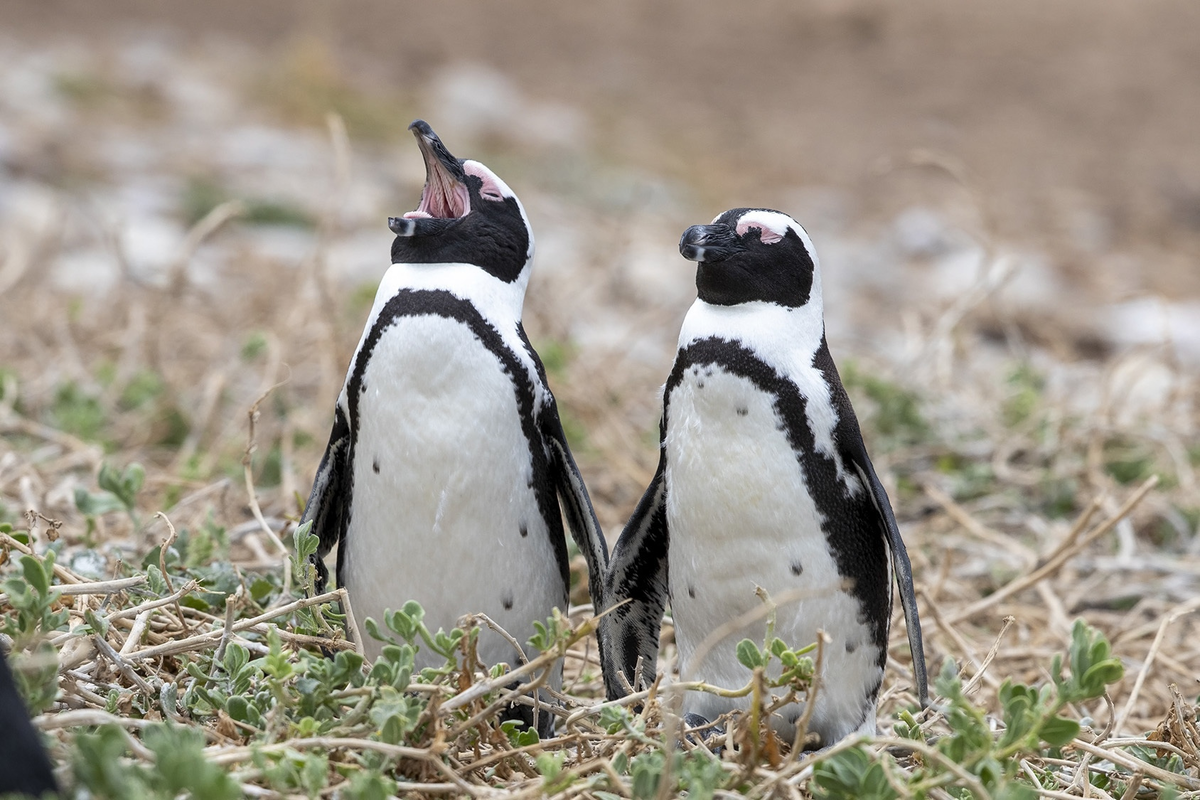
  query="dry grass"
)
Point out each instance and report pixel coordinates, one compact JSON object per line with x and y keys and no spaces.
{"x":1021,"y":511}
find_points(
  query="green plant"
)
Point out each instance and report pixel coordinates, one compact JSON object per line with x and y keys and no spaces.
{"x":118,"y":492}
{"x":77,"y":412}
{"x":1025,"y":388}
{"x":34,"y":600}
{"x":896,"y":410}
{"x":970,"y":756}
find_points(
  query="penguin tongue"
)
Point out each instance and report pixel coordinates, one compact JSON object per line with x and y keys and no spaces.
{"x":443,"y":197}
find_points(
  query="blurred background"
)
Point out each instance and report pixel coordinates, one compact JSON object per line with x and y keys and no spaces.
{"x":1005,"y":198}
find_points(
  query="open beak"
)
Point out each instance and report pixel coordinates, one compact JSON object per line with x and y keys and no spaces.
{"x":445,"y":195}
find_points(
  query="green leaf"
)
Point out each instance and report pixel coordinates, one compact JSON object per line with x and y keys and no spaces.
{"x":236,"y":657}
{"x":155,"y":580}
{"x":35,"y":575}
{"x":851,"y":775}
{"x":1057,"y":731}
{"x":550,"y":765}
{"x":749,"y":655}
{"x":646,"y":770}
{"x":98,"y":765}
{"x":446,"y":643}
{"x":181,"y":767}
{"x":123,"y":486}
{"x":1101,"y":675}
{"x":305,"y":541}
{"x":405,"y":623}
{"x":369,"y":785}
{"x":947,"y":683}
{"x":519,"y":735}
{"x":238,"y":708}
{"x":96,"y":503}
{"x":1015,"y":791}
{"x":98,"y":624}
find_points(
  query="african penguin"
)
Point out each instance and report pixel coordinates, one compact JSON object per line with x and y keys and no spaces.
{"x":24,"y":768}
{"x":763,"y":481}
{"x":447,"y":462}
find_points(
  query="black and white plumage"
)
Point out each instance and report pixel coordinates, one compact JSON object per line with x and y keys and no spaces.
{"x":447,"y":462}
{"x":763,"y":481}
{"x":24,"y":767}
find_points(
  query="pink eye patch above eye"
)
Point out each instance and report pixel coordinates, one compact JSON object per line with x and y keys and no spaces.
{"x":490,"y":190}
{"x":768,"y":236}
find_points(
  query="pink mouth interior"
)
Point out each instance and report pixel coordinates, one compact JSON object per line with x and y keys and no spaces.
{"x":442,"y":198}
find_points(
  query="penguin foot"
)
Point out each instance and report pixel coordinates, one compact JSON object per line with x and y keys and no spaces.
{"x":524,"y":715}
{"x":709,"y":735}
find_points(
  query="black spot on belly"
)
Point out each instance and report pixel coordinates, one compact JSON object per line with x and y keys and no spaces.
{"x":524,"y":530}
{"x":851,"y":646}
{"x":708,"y":372}
{"x":797,"y":568}
{"x":699,"y":384}
{"x":742,"y":411}
{"x":692,"y":592}
{"x":375,"y":466}
{"x":507,"y":601}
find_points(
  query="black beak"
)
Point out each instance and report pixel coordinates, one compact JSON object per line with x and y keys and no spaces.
{"x":445,"y":197}
{"x":707,"y":242}
{"x":437,"y":158}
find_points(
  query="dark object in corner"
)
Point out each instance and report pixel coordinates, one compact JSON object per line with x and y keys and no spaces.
{"x":24,"y":767}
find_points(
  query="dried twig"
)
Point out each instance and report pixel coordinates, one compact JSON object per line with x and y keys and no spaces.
{"x":1053,"y":564}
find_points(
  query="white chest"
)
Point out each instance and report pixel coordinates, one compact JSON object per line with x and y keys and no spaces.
{"x":444,"y":510}
{"x":740,"y":517}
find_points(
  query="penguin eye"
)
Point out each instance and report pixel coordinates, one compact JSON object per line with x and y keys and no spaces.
{"x":767,"y":235}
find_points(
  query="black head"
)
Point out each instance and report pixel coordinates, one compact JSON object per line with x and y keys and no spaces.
{"x":751,"y":254}
{"x":466,"y":215}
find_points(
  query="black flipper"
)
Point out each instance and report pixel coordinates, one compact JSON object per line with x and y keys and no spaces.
{"x":638,"y":575}
{"x":329,"y":502}
{"x":577,"y":508}
{"x":576,"y":504}
{"x":857,"y":456}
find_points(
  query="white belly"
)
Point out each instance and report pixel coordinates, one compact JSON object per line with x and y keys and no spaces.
{"x":739,"y":518}
{"x":443,"y":508}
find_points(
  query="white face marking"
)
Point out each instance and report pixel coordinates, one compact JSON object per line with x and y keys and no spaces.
{"x":741,"y":517}
{"x":786,"y":339}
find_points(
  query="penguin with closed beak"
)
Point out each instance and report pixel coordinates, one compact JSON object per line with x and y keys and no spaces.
{"x":763,"y":480}
{"x":447,"y":474}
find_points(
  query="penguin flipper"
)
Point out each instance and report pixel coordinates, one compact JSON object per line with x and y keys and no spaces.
{"x":326,"y":506}
{"x":900,"y":565}
{"x":576,"y":504}
{"x":636,"y":591}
